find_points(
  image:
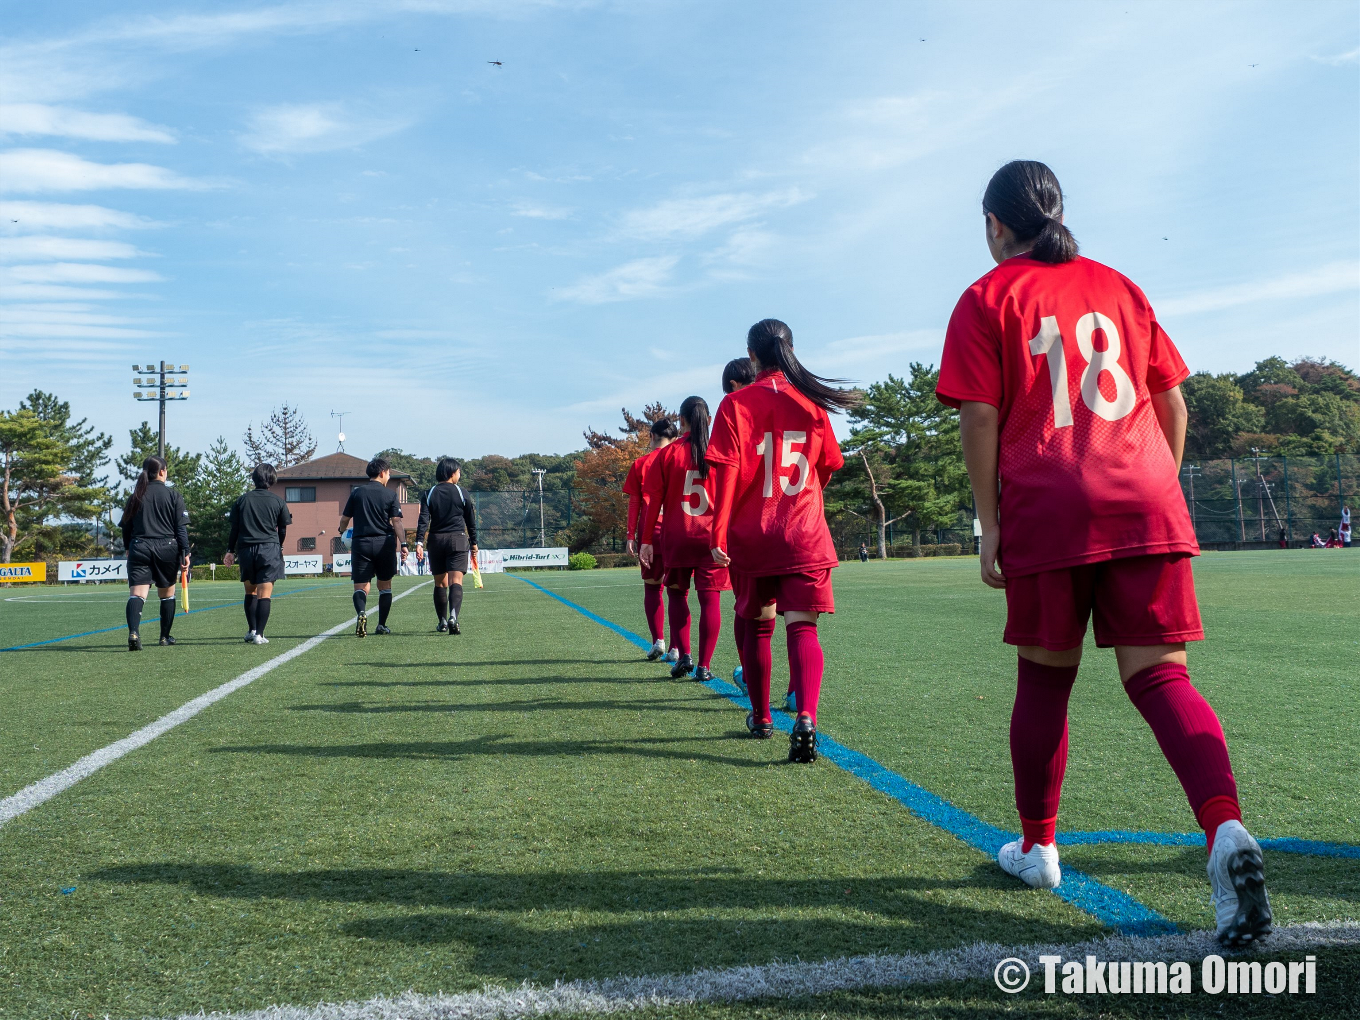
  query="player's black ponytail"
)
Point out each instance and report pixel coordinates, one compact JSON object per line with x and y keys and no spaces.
{"x":664,"y":428}
{"x":771,"y":343}
{"x":694,"y":413}
{"x":1025,"y":196}
{"x":737,"y":372}
{"x":151,"y":469}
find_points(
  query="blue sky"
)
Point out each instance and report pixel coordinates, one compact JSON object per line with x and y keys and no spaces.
{"x":345,"y":206}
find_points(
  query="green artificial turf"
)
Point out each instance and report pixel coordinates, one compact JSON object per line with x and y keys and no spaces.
{"x":531,"y":801}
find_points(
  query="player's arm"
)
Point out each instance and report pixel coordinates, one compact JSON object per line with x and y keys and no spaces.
{"x":980,"y":432}
{"x":725,"y":493}
{"x":469,"y":521}
{"x":182,"y":529}
{"x":234,"y":535}
{"x":423,"y":523}
{"x":285,"y":519}
{"x":653,"y":493}
{"x":1173,"y":417}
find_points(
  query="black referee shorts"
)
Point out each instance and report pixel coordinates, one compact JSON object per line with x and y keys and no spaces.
{"x":375,"y":555}
{"x":154,"y":561}
{"x":448,"y":551}
{"x":260,"y":562}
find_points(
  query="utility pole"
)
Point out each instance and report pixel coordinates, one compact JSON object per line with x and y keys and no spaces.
{"x":1190,"y":470}
{"x":157,"y":385}
{"x":341,"y":416}
{"x":542,"y":538}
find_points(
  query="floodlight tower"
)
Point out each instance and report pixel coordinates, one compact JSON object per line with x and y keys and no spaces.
{"x":542,"y":539}
{"x":160,"y":384}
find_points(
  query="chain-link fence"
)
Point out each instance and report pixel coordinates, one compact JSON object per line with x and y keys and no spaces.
{"x":510,"y":518}
{"x":1250,"y":501}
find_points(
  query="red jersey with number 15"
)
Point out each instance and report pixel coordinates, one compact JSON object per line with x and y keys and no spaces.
{"x":684,"y":502}
{"x":1071,"y":353}
{"x":782,"y":448}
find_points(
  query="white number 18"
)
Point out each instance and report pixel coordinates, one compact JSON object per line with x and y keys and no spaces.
{"x":1049,"y":342}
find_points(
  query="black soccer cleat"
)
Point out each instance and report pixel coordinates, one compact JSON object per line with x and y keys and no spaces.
{"x":168,"y":640}
{"x":134,"y":642}
{"x":803,"y":741}
{"x":361,"y":625}
{"x":702,"y":675}
{"x":454,"y":628}
{"x":382,"y":628}
{"x":761,"y":731}
{"x":683,"y":667}
{"x":443,"y":627}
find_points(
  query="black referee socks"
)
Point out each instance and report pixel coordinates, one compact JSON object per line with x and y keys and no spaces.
{"x":167,"y":615}
{"x":384,"y":606}
{"x":360,"y":600}
{"x":441,"y":603}
{"x":261,"y":615}
{"x":456,"y":601}
{"x":134,"y":613}
{"x":250,"y":611}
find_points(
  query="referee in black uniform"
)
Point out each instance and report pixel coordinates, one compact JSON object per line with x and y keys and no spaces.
{"x":376,"y":515}
{"x":259,"y":522}
{"x":156,"y":534}
{"x":448,"y":518}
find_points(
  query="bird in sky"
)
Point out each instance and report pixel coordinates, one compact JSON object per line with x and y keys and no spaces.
{"x":1253,"y":65}
{"x":496,"y":62}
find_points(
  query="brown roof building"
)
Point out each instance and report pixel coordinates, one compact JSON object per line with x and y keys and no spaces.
{"x":317,"y":490}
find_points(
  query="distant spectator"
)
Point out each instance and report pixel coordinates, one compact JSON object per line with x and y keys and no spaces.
{"x":1346,"y":535}
{"x":863,"y":553}
{"x":1316,"y":542}
{"x":1332,"y":541}
{"x":1346,"y":515}
{"x":1284,"y":539}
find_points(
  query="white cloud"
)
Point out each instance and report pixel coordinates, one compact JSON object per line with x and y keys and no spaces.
{"x":13,"y":249}
{"x":49,"y":292}
{"x":636,"y":279}
{"x":691,"y":217}
{"x":77,"y":272}
{"x":40,"y":119}
{"x":1333,"y":278}
{"x":1341,"y":58}
{"x":21,"y":217}
{"x":50,"y":170}
{"x":874,"y":356}
{"x":539,"y":212}
{"x":312,"y":127}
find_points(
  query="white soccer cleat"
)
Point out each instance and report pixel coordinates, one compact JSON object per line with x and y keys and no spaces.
{"x":672,"y":657}
{"x":1237,"y":875}
{"x":250,"y":637}
{"x":658,"y":650}
{"x":260,"y":639}
{"x":1038,"y":869}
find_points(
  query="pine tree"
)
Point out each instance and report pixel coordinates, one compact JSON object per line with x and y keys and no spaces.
{"x":181,"y":465}
{"x":282,"y":440}
{"x":208,"y":496}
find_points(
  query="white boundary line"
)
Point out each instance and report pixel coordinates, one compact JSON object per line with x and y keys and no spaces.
{"x":45,"y":789}
{"x":785,"y":980}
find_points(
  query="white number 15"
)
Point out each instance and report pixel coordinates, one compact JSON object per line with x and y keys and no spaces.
{"x":788,"y":457}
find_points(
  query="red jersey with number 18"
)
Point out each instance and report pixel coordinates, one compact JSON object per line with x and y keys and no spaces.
{"x":672,"y":484}
{"x":1071,"y":353}
{"x":781,"y":446}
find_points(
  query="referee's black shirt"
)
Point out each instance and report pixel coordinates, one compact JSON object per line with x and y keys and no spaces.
{"x":371,"y":507}
{"x":258,"y":517}
{"x":160,"y":516}
{"x":445,"y":510}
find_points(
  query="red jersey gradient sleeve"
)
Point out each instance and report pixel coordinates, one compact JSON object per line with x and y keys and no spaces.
{"x":773,"y":447}
{"x":687,"y":500}
{"x":1071,"y":354}
{"x":632,"y":488}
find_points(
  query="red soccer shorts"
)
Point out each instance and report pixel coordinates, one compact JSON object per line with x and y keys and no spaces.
{"x":707,"y":577}
{"x":656,"y":573}
{"x":1140,"y":600}
{"x":805,"y":592}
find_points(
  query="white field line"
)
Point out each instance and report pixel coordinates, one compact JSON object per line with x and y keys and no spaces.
{"x":786,"y":980}
{"x":45,"y":789}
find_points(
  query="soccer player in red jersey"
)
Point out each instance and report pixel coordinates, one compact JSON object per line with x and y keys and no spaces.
{"x":678,"y":480}
{"x":737,"y":373}
{"x":663,"y":433}
{"x":1073,"y":427}
{"x":774,"y":451}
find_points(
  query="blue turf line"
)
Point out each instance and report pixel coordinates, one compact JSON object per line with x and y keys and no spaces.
{"x":123,"y":626}
{"x":1280,"y":844}
{"x":1111,"y":907}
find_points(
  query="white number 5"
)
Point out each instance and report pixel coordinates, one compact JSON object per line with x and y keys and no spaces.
{"x":1049,"y":343}
{"x":694,"y":487}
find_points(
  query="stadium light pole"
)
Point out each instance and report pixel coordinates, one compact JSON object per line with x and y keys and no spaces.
{"x":542,"y":538}
{"x":160,"y":383}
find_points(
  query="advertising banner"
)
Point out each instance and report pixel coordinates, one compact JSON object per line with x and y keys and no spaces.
{"x":307,"y":564}
{"x":92,"y":570}
{"x":11,"y":573}
{"x":490,"y":561}
{"x":517,"y":559}
{"x":340,"y":562}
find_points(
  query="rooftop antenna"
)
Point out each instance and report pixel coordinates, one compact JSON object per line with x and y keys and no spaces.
{"x":341,"y":416}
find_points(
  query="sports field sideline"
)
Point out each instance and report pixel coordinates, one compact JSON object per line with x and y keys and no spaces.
{"x":531,"y":801}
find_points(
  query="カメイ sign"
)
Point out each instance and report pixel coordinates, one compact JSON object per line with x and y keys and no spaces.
{"x":11,"y":572}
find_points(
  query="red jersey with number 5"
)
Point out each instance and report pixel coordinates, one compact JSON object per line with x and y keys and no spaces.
{"x":781,"y":446}
{"x":1071,"y":354}
{"x":684,"y":502}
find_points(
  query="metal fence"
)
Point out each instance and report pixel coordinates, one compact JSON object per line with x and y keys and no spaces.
{"x":509,"y":519}
{"x":1272,"y":500}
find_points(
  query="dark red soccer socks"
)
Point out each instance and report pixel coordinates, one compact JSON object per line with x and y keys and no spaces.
{"x":757,"y":667}
{"x":1191,"y":737}
{"x":710,"y":625}
{"x":678,"y":608}
{"x":805,"y":665}
{"x":651,"y":606}
{"x":1039,"y":747}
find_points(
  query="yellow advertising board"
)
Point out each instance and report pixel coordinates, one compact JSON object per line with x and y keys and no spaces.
{"x":16,"y":572}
